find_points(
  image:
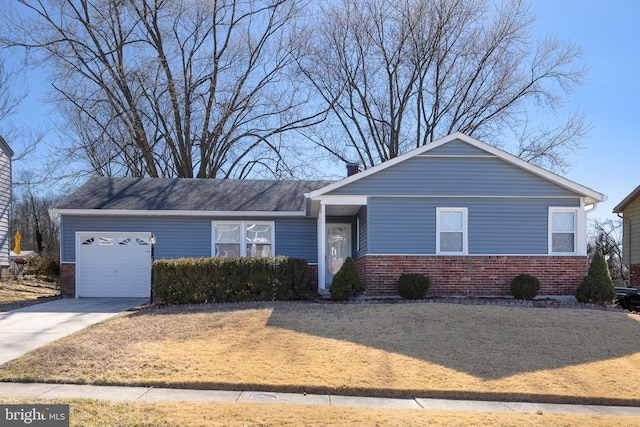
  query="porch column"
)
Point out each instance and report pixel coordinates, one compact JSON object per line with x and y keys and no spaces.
{"x":322,"y":241}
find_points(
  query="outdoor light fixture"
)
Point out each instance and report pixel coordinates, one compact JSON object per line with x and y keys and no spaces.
{"x":152,"y":240}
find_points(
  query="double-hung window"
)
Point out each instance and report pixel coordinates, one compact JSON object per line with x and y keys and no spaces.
{"x":451,"y":231}
{"x":243,"y":239}
{"x":562,"y":230}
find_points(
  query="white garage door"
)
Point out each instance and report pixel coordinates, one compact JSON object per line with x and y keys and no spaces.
{"x":113,"y":264}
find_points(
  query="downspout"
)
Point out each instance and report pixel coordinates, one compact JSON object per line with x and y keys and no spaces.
{"x":624,"y":218}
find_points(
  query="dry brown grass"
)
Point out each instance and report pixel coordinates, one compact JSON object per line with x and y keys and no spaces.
{"x":24,"y":291}
{"x":443,"y":350}
{"x":101,"y":413}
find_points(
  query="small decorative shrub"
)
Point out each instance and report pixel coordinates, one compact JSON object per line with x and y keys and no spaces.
{"x":346,"y":283}
{"x":597,"y":286}
{"x":525,"y":287}
{"x":413,"y":285}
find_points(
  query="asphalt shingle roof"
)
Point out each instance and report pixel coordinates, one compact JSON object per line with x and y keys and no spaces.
{"x":190,"y":194}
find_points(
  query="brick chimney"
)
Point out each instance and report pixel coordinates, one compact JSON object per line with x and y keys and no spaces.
{"x":352,"y":169}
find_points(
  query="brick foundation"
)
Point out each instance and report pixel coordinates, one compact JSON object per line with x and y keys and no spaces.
{"x":472,"y":275}
{"x":634,"y":275}
{"x":68,"y":279}
{"x":312,"y":280}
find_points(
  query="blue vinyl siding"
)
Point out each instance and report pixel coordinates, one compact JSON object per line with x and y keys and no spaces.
{"x":362,"y":215}
{"x":496,"y":226}
{"x":190,"y":237}
{"x":297,"y":238}
{"x":458,"y":148}
{"x":454,"y":176}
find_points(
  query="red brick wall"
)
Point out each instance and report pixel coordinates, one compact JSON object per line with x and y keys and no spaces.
{"x":313,"y":277}
{"x":634,"y":276}
{"x":472,"y":275}
{"x":68,"y":279}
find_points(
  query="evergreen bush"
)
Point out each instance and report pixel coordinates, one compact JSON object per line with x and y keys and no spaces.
{"x":413,"y":285}
{"x":597,"y":286}
{"x":525,"y":287}
{"x":346,"y":283}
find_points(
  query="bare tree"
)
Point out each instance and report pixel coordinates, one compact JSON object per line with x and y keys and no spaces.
{"x":397,"y":75}
{"x":30,"y":216}
{"x":12,"y":93}
{"x":188,"y":88}
{"x":605,"y":236}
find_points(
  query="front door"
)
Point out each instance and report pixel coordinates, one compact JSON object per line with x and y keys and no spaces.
{"x":338,"y":249}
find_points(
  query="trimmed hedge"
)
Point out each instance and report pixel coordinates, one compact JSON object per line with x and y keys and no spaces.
{"x":597,"y":286}
{"x":346,"y":283}
{"x":413,"y":285}
{"x":214,"y":280}
{"x":525,"y":287}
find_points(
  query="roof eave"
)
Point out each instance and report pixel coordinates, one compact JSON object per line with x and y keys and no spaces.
{"x":625,"y":202}
{"x":592,"y":196}
{"x":175,"y":213}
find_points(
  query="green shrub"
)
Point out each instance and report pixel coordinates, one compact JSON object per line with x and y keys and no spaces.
{"x":42,"y":266}
{"x":346,"y":283}
{"x":413,"y":285}
{"x":525,"y":287}
{"x":597,"y":286}
{"x":203,"y":280}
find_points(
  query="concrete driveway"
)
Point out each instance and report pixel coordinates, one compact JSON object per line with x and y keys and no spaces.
{"x":30,"y":327}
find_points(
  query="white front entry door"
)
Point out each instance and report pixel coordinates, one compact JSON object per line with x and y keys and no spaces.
{"x":113,"y":264}
{"x":338,"y":249}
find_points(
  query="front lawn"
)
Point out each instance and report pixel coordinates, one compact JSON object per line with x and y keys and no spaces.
{"x":419,"y":349}
{"x":24,"y":291}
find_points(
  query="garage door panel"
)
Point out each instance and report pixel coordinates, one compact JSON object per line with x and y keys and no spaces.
{"x":113,"y":264}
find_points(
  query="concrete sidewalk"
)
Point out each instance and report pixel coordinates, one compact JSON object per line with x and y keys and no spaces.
{"x":154,"y":395}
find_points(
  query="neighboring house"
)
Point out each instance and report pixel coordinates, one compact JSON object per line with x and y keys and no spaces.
{"x":467,"y":214}
{"x":629,"y":211}
{"x":5,"y":202}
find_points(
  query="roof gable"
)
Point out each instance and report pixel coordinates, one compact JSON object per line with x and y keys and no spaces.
{"x":182,"y":194}
{"x":461,"y":146}
{"x":627,"y":200}
{"x":5,"y":147}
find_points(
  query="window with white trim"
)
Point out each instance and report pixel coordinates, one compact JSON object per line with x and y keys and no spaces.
{"x":243,"y":239}
{"x":562,"y":230}
{"x":451,"y":231}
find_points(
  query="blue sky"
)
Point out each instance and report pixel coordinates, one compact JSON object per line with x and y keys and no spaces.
{"x":610,"y":98}
{"x":609,"y":35}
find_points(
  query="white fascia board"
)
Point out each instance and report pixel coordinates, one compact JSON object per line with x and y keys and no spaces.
{"x":164,"y":213}
{"x":342,"y":200}
{"x":591,"y":195}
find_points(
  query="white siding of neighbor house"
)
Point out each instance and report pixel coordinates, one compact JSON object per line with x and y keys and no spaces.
{"x":5,"y":204}
{"x":631,"y":232}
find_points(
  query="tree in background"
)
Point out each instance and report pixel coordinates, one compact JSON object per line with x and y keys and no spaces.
{"x":188,"y":88}
{"x":238,"y":88}
{"x":398,"y":75}
{"x":605,"y":237}
{"x":30,"y":216}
